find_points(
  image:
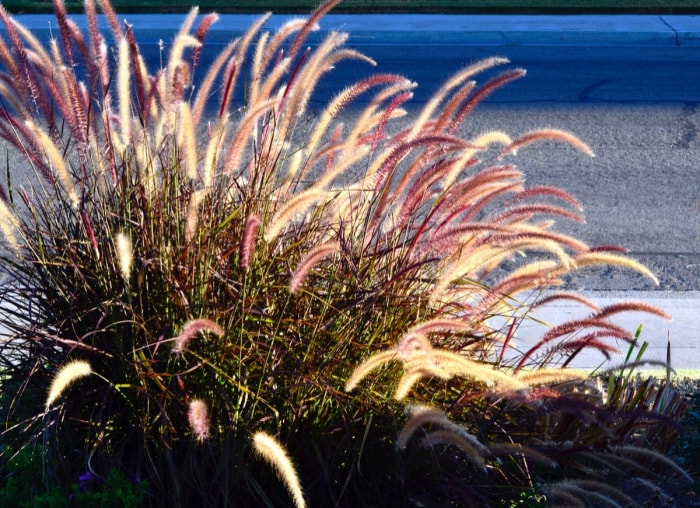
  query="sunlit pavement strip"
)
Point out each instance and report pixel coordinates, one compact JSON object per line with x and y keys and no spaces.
{"x":683,"y":330}
{"x":673,"y":30}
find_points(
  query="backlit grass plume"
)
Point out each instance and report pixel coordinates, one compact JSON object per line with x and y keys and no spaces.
{"x":199,"y":419}
{"x":240,"y":259}
{"x":272,"y":452}
{"x":68,"y":374}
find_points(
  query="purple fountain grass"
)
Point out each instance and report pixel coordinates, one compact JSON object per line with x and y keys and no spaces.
{"x":190,"y":331}
{"x":199,"y":419}
{"x":606,"y":329}
{"x":314,"y":256}
{"x":630,"y":306}
{"x":562,"y":295}
{"x":271,"y":451}
{"x":401,"y":262}
{"x":69,"y":373}
{"x":546,"y":134}
{"x":250,"y":234}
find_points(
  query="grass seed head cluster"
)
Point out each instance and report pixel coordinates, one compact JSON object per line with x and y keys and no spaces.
{"x":228,"y":271}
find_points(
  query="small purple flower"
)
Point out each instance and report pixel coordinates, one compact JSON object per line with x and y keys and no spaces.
{"x":85,"y":478}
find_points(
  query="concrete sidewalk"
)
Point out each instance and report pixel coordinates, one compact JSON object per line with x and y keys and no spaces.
{"x":480,"y":29}
{"x":683,"y":330}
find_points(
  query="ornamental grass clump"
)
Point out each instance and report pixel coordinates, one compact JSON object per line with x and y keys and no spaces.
{"x":247,"y":280}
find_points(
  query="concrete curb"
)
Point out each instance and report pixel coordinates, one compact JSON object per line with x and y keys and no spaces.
{"x":481,"y":29}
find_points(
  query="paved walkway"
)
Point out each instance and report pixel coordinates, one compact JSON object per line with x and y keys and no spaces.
{"x":683,"y":330}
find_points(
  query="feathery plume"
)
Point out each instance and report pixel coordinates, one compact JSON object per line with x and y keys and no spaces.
{"x":483,"y":92}
{"x":538,"y":270}
{"x":452,"y":83}
{"x":547,"y":134}
{"x":233,"y":68}
{"x":603,"y":329}
{"x":55,"y":159}
{"x":348,"y":157}
{"x":367,"y":366}
{"x":448,"y":110}
{"x":214,"y":148}
{"x":597,"y":493}
{"x":346,"y":96}
{"x":426,"y":415}
{"x":79,"y":124}
{"x":604,"y":258}
{"x":466,"y":266}
{"x":140,"y":72}
{"x":576,"y":325}
{"x":272,"y":452}
{"x":446,"y":437}
{"x":413,"y":340}
{"x":202,"y":29}
{"x":648,"y":455}
{"x":205,"y":86}
{"x":309,"y":74}
{"x":62,"y":20}
{"x":409,"y":379}
{"x":480,"y":144}
{"x":500,"y":449}
{"x":64,"y":377}
{"x":243,"y":133}
{"x":631,"y":306}
{"x":457,"y":365}
{"x":545,"y":190}
{"x":230,"y":74}
{"x":512,"y":215}
{"x":551,"y":376}
{"x":296,"y":205}
{"x":37,"y":53}
{"x":314,"y":256}
{"x":198,"y":417}
{"x":562,"y":295}
{"x":311,"y":24}
{"x":111,"y":15}
{"x":182,"y":41}
{"x":191,"y":329}
{"x":250,"y":233}
{"x":8,"y":224}
{"x":282,"y":33}
{"x":587,"y":341}
{"x":192,"y":216}
{"x":257,"y":73}
{"x":124,"y":254}
{"x":187,"y":139}
{"x":124,"y":90}
{"x":273,"y":79}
